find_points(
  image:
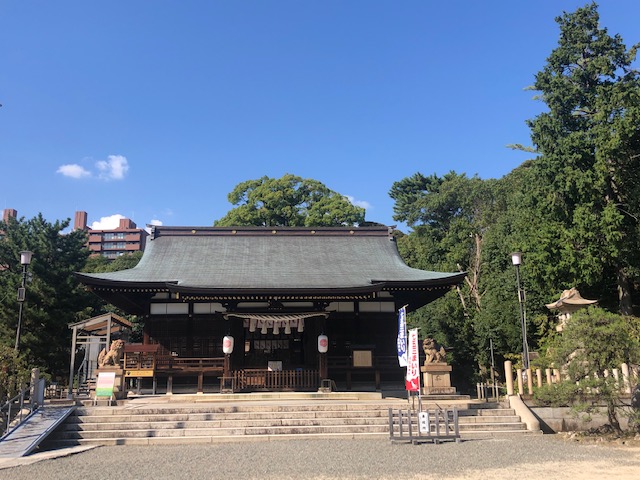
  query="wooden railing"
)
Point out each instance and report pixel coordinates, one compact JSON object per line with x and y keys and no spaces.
{"x":263,"y":379}
{"x":142,"y":363}
{"x":189,"y":364}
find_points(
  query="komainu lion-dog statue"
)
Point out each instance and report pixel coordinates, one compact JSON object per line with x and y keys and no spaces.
{"x":113,"y":356}
{"x":434,"y":352}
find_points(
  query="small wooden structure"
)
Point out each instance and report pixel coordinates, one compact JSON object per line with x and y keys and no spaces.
{"x":90,"y":336}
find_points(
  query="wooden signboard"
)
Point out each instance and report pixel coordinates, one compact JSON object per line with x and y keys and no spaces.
{"x":363,"y":358}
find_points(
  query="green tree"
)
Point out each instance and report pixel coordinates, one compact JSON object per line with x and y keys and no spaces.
{"x":583,"y":209}
{"x":592,"y":344}
{"x":13,"y":373}
{"x":54,"y":299}
{"x":452,"y":217}
{"x":100,"y":264}
{"x":289,"y":201}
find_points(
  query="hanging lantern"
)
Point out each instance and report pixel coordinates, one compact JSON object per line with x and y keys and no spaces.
{"x":265,"y":325}
{"x":276,"y":327}
{"x":301,"y":325}
{"x":227,"y":345}
{"x":252,"y":325}
{"x":323,"y":343}
{"x":287,"y":327}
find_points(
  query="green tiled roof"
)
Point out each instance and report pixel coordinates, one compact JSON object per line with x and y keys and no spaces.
{"x":196,"y":258}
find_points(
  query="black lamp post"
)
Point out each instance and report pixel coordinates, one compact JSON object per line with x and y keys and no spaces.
{"x":516,"y":259}
{"x":25,"y":260}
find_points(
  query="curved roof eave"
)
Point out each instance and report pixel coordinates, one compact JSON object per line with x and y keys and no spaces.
{"x":443,"y":280}
{"x":91,"y":280}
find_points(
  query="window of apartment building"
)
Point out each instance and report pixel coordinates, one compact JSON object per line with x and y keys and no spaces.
{"x":114,"y":245}
{"x":114,"y":236}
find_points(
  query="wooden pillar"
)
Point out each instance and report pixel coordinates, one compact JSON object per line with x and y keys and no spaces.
{"x":108,"y":346}
{"x":74,"y":339}
{"x":200,"y":381}
{"x":169,"y":384}
{"x":226,"y":369}
{"x":323,"y":366}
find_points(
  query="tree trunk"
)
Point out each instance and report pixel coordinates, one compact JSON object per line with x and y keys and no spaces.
{"x":624,"y":293}
{"x":613,"y":417}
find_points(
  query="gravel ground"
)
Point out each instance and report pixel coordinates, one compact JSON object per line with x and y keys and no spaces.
{"x":548,"y":457}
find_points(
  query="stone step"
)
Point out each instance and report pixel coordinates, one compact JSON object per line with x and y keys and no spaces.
{"x":231,"y":431}
{"x":256,"y":431}
{"x":102,"y":411}
{"x":244,"y":419}
{"x":225,"y":423}
{"x":184,"y":422}
{"x":499,"y":412}
{"x":183,"y":417}
{"x":58,"y":443}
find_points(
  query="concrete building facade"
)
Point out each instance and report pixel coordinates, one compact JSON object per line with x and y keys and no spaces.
{"x":126,"y":238}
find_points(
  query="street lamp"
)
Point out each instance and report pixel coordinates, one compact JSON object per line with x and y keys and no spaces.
{"x":25,"y":260}
{"x":516,"y":259}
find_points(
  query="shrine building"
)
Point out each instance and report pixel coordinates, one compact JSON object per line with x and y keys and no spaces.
{"x":253,"y":308}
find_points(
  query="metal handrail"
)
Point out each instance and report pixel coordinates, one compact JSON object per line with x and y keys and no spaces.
{"x":9,"y":423}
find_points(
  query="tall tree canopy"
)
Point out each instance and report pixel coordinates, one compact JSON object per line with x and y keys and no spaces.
{"x":54,"y":298}
{"x":583,"y":208}
{"x":573,"y":210}
{"x":452,"y":219}
{"x":289,"y":201}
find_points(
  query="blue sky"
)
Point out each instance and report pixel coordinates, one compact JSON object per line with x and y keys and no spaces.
{"x":156,"y":110}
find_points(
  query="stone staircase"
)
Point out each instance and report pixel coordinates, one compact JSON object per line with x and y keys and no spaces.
{"x":203,"y":420}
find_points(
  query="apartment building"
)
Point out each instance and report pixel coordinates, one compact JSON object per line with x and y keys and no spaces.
{"x":126,"y":238}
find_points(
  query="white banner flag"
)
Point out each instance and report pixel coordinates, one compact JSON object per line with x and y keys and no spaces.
{"x":413,"y":362}
{"x":402,"y":337}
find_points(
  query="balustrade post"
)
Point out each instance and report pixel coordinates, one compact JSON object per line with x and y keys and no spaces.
{"x":529,"y":381}
{"x":520,"y":381}
{"x":508,"y":376}
{"x":626,"y":384}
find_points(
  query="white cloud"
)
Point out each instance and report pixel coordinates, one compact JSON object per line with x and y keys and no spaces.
{"x":73,"y":171}
{"x":152,"y":223}
{"x":115,"y":168}
{"x":107,"y":223}
{"x":359,"y":203}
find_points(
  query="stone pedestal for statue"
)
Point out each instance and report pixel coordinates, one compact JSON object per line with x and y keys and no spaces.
{"x":118,"y":386}
{"x":436,"y":379}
